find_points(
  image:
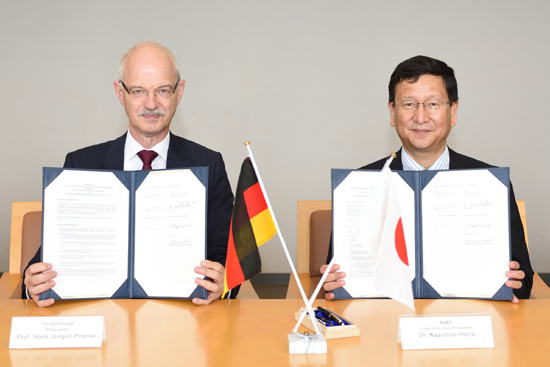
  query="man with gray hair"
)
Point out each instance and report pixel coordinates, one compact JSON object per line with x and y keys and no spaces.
{"x":150,"y":88}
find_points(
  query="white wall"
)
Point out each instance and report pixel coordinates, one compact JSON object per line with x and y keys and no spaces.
{"x":304,"y":81}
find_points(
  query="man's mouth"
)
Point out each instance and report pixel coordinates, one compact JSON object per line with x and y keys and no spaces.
{"x":421,"y":131}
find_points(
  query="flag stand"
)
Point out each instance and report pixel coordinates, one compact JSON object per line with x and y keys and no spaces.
{"x":298,"y":343}
{"x":307,"y":343}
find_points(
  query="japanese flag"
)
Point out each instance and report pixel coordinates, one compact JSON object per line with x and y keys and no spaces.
{"x":379,"y":227}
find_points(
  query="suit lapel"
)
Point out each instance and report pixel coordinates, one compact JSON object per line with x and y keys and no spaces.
{"x":177,"y":156}
{"x":114,"y":158}
{"x":454,"y":160}
{"x":397,"y":163}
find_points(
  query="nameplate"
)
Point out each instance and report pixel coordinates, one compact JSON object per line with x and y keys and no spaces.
{"x":446,"y":331}
{"x":57,"y":332}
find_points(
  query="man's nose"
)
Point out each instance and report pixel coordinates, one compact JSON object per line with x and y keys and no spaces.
{"x":151,"y":101}
{"x":421,"y":114}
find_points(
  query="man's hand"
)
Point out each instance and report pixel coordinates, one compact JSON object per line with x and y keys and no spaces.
{"x":38,"y":279}
{"x":215,"y":273}
{"x":515,"y":277}
{"x":334,"y":280}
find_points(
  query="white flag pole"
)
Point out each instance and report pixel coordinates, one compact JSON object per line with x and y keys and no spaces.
{"x":314,"y":295}
{"x":388,"y":162}
{"x":321,"y":282}
{"x":285,"y":248}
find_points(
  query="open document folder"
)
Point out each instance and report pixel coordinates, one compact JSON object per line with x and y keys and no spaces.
{"x":124,"y":234}
{"x":456,"y":225}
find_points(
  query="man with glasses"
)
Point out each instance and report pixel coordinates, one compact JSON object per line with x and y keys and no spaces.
{"x":150,"y":88}
{"x":423,"y":102}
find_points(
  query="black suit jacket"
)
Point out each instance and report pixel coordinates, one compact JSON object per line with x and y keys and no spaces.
{"x":519,"y":246}
{"x":181,"y":153}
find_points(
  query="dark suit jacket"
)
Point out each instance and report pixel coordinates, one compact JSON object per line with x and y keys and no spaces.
{"x":519,"y":246}
{"x":181,"y":153}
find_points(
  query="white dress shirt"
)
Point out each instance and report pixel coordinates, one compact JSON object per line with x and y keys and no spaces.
{"x":410,"y":164}
{"x":131,"y":148}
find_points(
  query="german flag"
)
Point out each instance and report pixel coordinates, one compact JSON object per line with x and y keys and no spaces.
{"x":251,"y":226}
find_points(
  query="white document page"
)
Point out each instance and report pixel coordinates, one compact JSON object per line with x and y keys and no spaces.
{"x":349,"y":199}
{"x":170,"y":230}
{"x":466,"y":243}
{"x":85,"y":233}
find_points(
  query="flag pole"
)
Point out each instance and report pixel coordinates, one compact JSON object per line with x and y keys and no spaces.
{"x":389,"y":160}
{"x":314,"y":295}
{"x":320,"y":284}
{"x":285,"y":248}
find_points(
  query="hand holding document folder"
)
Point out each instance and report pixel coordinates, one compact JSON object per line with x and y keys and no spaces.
{"x":122,"y":234}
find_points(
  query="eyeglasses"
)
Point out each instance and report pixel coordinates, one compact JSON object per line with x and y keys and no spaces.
{"x":429,"y":105}
{"x":140,"y":94}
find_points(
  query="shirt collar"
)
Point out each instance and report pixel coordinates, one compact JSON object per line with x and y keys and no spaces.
{"x":410,"y":164}
{"x":132,"y":147}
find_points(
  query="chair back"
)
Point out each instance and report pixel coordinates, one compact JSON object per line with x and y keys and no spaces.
{"x":320,"y":230}
{"x":314,"y":231}
{"x":523,"y":216}
{"x":31,"y":237}
{"x":305,"y":210}
{"x":26,"y":230}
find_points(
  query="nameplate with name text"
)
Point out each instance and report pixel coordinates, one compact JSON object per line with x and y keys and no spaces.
{"x":446,"y":331}
{"x":57,"y":332}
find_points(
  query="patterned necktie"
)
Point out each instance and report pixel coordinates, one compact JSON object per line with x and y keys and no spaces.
{"x":147,"y":157}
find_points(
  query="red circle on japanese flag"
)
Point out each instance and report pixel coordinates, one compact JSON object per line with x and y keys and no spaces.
{"x":400,"y":245}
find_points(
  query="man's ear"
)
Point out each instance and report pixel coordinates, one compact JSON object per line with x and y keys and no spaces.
{"x":454,"y":109}
{"x":180,"y":90}
{"x":392,"y":113}
{"x":119,"y":90}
